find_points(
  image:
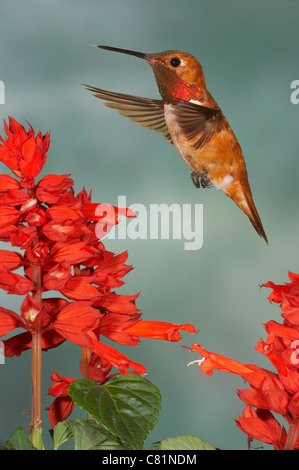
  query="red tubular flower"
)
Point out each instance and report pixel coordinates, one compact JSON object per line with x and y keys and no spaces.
{"x":8,"y":215}
{"x":261,"y":425}
{"x":115,"y":327}
{"x":59,"y":234}
{"x":111,"y":269}
{"x":17,"y":344}
{"x":293,"y":407}
{"x":61,"y":408}
{"x":270,"y":392}
{"x":120,"y":303}
{"x":31,"y":312}
{"x":63,"y":405}
{"x":75,"y":320}
{"x":9,"y":320}
{"x":57,"y":277}
{"x":15,"y":197}
{"x":53,"y":188}
{"x":8,"y":182}
{"x":23,"y":153}
{"x":159,"y":330}
{"x":106,"y":213}
{"x":21,"y":236}
{"x":115,"y":358}
{"x":252,"y":374}
{"x":11,"y":260}
{"x":14,"y":283}
{"x":80,"y":289}
{"x":98,"y":369}
{"x":73,"y":252}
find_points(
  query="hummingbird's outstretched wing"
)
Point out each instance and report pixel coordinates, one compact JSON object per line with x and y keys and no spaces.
{"x":197,"y":122}
{"x":145,"y":111}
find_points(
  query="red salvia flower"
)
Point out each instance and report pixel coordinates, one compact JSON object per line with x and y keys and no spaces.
{"x":59,"y":235}
{"x":63,"y":405}
{"x":23,"y":153}
{"x":270,"y":392}
{"x":260,"y":424}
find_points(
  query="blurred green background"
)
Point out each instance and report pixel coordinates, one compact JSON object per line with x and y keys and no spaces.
{"x":249,"y":53}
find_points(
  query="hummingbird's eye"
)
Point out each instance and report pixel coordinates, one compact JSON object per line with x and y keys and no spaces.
{"x":175,"y":62}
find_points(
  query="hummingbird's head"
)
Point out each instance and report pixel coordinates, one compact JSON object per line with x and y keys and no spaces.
{"x":184,"y":65}
{"x":179,"y":75}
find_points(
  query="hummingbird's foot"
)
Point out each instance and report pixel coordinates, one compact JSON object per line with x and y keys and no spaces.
{"x":205,"y":181}
{"x":195,"y":179}
{"x":201,"y":181}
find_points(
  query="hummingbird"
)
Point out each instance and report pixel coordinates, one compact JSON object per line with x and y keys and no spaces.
{"x":189,"y":118}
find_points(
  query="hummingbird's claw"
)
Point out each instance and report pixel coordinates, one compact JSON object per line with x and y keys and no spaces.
{"x":195,"y":179}
{"x":201,"y":181}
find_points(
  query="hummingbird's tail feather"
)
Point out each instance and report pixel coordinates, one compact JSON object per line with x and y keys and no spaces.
{"x":255,"y":220}
{"x":243,"y":198}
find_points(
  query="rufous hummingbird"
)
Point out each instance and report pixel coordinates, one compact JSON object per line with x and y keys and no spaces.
{"x":189,"y":117}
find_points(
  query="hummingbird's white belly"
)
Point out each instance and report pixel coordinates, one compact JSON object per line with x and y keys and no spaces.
{"x":177,"y":136}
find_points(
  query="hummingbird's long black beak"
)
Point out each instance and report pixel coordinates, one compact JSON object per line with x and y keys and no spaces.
{"x":141,"y":55}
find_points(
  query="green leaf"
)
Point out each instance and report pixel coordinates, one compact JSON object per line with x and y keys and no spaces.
{"x":184,"y":442}
{"x":61,"y":433}
{"x":126,"y":406}
{"x":88,"y":435}
{"x":19,"y":441}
